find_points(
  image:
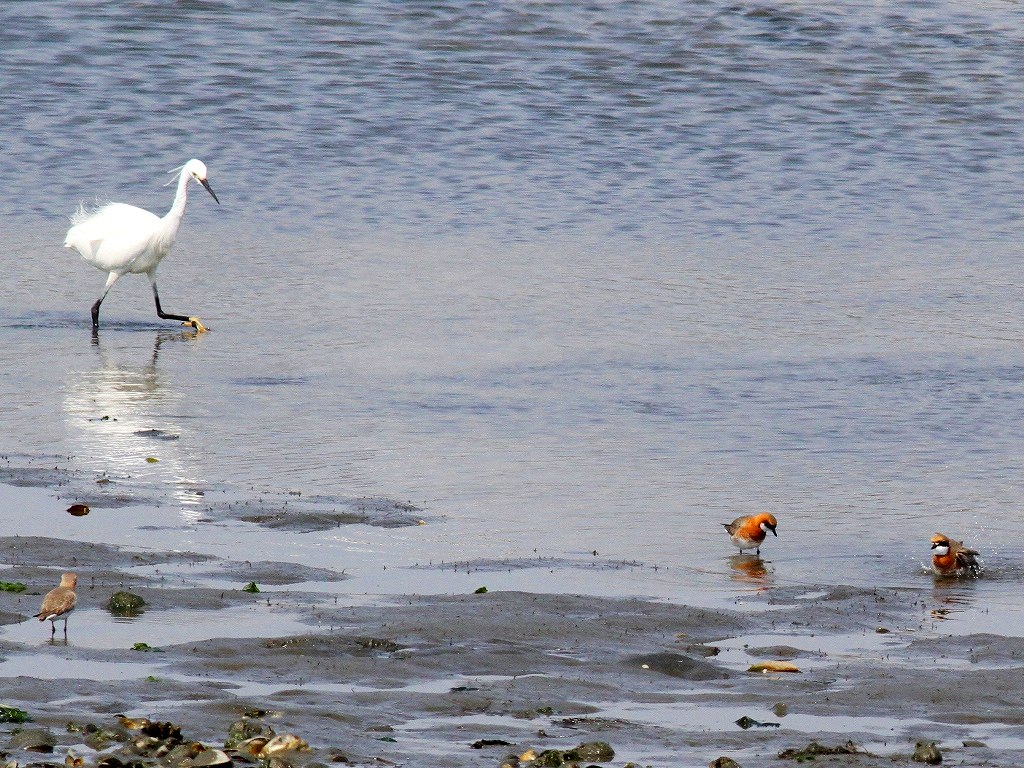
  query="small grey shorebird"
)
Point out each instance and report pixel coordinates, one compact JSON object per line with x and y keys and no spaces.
{"x":59,"y":602}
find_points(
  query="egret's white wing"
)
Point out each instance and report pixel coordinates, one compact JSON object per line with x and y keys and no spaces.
{"x":112,"y":237}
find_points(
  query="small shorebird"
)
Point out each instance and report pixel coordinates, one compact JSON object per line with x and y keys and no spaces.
{"x":59,"y":602}
{"x":749,"y":532}
{"x":951,"y":558}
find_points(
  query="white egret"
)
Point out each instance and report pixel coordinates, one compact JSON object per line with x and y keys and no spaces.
{"x":122,"y":239}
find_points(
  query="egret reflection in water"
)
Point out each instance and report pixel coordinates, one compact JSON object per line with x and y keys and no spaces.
{"x":125,"y":419}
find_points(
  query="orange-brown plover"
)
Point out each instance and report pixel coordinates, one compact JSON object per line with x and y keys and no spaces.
{"x":749,"y":532}
{"x":951,"y":558}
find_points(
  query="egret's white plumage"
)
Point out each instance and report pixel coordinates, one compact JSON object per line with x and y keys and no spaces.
{"x":121,"y":239}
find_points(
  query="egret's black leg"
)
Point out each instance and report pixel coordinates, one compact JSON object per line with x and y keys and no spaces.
{"x":160,"y":312}
{"x":111,"y":279}
{"x":193,"y":321}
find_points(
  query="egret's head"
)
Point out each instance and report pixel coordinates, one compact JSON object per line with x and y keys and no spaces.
{"x":197,"y":170}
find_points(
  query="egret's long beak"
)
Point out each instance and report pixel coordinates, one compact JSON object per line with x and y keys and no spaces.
{"x":209,"y":189}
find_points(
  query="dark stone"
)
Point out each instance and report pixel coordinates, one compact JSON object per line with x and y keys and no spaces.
{"x":597,"y":751}
{"x":378,"y":644}
{"x":679,"y":665}
{"x":481,"y":743}
{"x":814,"y":749}
{"x":125,"y":604}
{"x":927,"y":752}
{"x":550,"y":758}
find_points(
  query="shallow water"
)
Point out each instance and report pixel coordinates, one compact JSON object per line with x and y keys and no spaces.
{"x":569,"y":278}
{"x":52,"y":667}
{"x":884,"y":735}
{"x":93,"y":628}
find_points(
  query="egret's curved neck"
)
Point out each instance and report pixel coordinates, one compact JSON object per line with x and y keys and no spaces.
{"x":173,"y":217}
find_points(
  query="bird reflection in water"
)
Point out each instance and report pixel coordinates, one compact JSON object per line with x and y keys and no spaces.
{"x":750,"y":568}
{"x":125,"y":419}
{"x":952,"y":598}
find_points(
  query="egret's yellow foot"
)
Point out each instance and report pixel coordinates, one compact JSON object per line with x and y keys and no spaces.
{"x":197,"y":324}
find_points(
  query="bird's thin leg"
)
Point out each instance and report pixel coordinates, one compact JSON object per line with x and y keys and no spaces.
{"x":159,"y":310}
{"x":53,"y":628}
{"x":111,"y":279}
{"x":193,"y":321}
{"x":65,"y":627}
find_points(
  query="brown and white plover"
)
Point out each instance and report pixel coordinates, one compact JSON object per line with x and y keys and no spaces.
{"x":59,"y":602}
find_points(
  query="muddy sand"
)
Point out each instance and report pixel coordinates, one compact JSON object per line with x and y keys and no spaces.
{"x":483,"y":679}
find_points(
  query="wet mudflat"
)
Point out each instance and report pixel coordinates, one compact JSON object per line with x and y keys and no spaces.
{"x":483,"y":679}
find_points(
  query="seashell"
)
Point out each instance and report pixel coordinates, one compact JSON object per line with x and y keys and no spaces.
{"x":247,"y":728}
{"x":133,"y":723}
{"x":73,"y":761}
{"x":211,"y":757}
{"x":284,"y":743}
{"x":33,"y":740}
{"x":528,"y":756}
{"x":774,"y":666}
{"x":163,"y":750}
{"x":182,"y":754}
{"x":253,"y":746}
{"x":144,"y":744}
{"x":158,"y":730}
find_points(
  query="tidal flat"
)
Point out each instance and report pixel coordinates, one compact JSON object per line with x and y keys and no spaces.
{"x":485,"y":678}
